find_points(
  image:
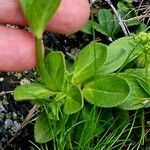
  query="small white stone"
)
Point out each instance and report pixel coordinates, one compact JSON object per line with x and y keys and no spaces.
{"x":148,"y":123}
{"x":24,"y":81}
{"x":1,"y":107}
{"x":1,"y":79}
{"x":8,"y":123}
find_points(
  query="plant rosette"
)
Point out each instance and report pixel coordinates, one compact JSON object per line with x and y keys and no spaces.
{"x":91,"y":79}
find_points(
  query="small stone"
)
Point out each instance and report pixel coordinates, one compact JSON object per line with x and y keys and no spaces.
{"x":5,"y":102}
{"x":1,"y":79}
{"x":1,"y":107}
{"x":15,"y":127}
{"x":18,"y":75}
{"x":24,"y":81}
{"x":8,"y":123}
{"x":148,"y":123}
{"x":2,"y":115}
{"x":14,"y":115}
{"x":8,"y":115}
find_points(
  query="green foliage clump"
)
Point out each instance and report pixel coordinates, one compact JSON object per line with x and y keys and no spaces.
{"x":99,"y":78}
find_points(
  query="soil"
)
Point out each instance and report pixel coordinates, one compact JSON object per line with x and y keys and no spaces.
{"x":12,"y":114}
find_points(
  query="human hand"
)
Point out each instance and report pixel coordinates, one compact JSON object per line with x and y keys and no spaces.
{"x":17,"y":47}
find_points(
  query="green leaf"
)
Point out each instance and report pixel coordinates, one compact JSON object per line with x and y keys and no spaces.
{"x":115,"y":59}
{"x":88,"y":62}
{"x":87,"y":27}
{"x":137,"y":73}
{"x":60,"y":96}
{"x":56,"y":68}
{"x":106,"y":91}
{"x":129,"y":16}
{"x":127,"y":1}
{"x":74,"y":100}
{"x":38,"y":13}
{"x":141,"y":28}
{"x":137,"y":95}
{"x":32,"y":91}
{"x":107,"y":23}
{"x":52,"y":109}
{"x":121,"y":4}
{"x":44,"y":129}
{"x":120,"y":51}
{"x":144,"y":86}
{"x":140,"y":76}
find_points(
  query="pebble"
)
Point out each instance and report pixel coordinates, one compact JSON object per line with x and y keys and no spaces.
{"x":8,"y":123}
{"x":1,"y":79}
{"x":1,"y":107}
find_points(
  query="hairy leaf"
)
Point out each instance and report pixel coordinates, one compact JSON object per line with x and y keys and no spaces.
{"x":137,"y":95}
{"x":88,"y":62}
{"x":32,"y":91}
{"x":44,"y":129}
{"x":56,"y":68}
{"x":119,"y":53}
{"x":108,"y":24}
{"x":106,"y":91}
{"x":74,"y":100}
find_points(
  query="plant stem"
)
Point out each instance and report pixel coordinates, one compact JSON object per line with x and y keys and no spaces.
{"x":41,"y":67}
{"x":143,"y":127}
{"x":52,"y":125}
{"x":94,"y":39}
{"x":147,"y":69}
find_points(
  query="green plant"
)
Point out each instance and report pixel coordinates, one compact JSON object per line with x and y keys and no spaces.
{"x":94,"y":128}
{"x":73,"y":86}
{"x":99,"y":88}
{"x":108,"y":24}
{"x":97,"y":77}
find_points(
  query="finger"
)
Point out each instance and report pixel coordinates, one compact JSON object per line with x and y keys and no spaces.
{"x":17,"y":50}
{"x":69,"y":18}
{"x":10,"y":12}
